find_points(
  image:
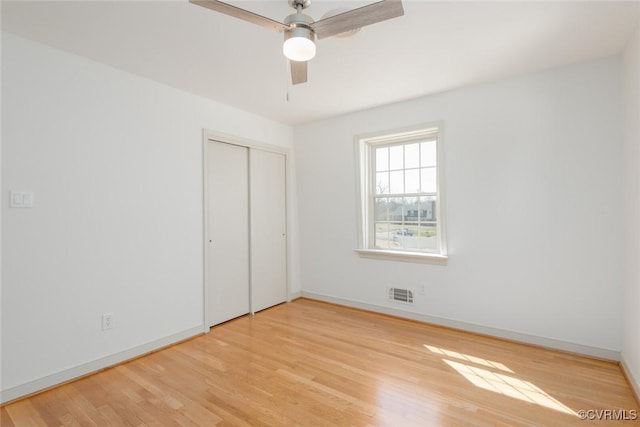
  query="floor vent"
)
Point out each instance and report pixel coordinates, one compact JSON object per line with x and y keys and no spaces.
{"x":401,"y":295}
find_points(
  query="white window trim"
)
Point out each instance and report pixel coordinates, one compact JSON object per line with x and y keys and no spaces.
{"x":362,"y":144}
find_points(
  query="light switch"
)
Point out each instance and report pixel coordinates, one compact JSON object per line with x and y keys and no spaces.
{"x":27,"y":199}
{"x":21,"y":199}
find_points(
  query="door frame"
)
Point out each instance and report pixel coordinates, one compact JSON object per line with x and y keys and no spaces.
{"x":210,"y":135}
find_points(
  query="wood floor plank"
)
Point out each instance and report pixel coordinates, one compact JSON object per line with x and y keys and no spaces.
{"x":23,"y":413}
{"x":5,"y":419}
{"x":308,"y":363}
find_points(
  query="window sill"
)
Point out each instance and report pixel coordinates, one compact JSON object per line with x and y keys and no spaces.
{"x":403,"y":256}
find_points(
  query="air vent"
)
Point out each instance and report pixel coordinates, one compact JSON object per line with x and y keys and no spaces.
{"x":401,"y":295}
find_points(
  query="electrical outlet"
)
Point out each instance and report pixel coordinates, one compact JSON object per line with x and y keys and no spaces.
{"x":107,"y":321}
{"x":421,"y":290}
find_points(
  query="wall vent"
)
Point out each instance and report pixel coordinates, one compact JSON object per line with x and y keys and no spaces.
{"x":401,"y":295}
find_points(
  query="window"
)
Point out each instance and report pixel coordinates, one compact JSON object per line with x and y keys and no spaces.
{"x":400,"y":189}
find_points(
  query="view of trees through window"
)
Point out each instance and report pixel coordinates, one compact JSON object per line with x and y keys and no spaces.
{"x":405,"y":196}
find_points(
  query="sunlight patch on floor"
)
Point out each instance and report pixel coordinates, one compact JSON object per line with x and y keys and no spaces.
{"x":498,"y":382}
{"x":508,"y":386}
{"x":476,"y":360}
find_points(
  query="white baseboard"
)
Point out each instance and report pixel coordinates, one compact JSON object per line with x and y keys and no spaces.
{"x":294,"y":295}
{"x":93,"y":366}
{"x":634,"y":382}
{"x":601,"y":353}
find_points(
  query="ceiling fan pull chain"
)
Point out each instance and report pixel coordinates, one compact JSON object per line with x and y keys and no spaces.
{"x":287,"y":80}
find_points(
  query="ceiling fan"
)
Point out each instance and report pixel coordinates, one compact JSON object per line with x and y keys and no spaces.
{"x":300,"y":30}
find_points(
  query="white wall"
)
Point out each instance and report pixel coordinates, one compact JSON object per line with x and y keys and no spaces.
{"x":115,"y":162}
{"x":631,"y":91}
{"x":534,"y":197}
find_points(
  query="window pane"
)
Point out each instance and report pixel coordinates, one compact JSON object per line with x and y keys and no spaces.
{"x":428,"y":238}
{"x":396,"y":182}
{"x":406,"y":236}
{"x":382,"y":159}
{"x":428,"y":208}
{"x":382,"y":183}
{"x":395,"y":157}
{"x":381,"y":209}
{"x":382,"y":238}
{"x":412,"y":156}
{"x":396,"y":211}
{"x":428,"y":153}
{"x":412,"y":181}
{"x":428,"y":180}
{"x":411,"y":209}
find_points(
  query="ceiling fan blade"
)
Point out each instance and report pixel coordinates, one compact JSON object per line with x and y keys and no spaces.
{"x":298,"y":72}
{"x":358,"y":18}
{"x":243,"y":14}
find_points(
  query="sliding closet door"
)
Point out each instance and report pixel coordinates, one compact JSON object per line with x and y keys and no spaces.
{"x":228,"y":232}
{"x":268,"y":229}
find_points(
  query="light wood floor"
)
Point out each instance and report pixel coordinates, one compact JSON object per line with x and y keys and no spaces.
{"x":308,"y":363}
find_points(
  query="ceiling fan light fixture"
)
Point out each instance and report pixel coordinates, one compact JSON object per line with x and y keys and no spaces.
{"x":299,"y":44}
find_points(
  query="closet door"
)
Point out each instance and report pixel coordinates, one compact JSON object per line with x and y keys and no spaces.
{"x":228,"y":232}
{"x":268,"y":220}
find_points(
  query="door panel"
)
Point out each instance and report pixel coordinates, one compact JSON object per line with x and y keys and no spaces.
{"x":228,"y":232}
{"x":268,"y":229}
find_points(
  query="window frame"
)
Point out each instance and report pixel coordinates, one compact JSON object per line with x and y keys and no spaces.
{"x":365,"y":145}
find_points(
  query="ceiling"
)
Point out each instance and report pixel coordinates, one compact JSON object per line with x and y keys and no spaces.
{"x":434,"y":47}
